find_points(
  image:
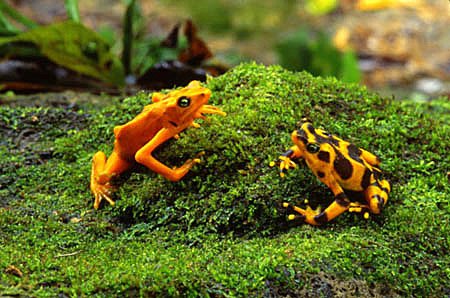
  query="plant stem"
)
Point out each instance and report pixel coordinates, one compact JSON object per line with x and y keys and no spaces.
{"x":15,"y":15}
{"x":128,"y":36}
{"x":72,"y":10}
{"x":6,"y":28}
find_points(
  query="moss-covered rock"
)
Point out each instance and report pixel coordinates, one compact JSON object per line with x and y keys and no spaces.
{"x":219,"y":231}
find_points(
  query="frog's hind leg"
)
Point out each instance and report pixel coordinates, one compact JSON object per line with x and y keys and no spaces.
{"x":339,"y":206}
{"x":377,"y":195}
{"x":102,"y":171}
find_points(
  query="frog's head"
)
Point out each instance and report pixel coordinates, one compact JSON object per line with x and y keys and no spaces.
{"x":307,"y":138}
{"x":188,"y":103}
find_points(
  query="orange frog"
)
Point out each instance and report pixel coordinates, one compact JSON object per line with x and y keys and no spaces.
{"x":166,"y":117}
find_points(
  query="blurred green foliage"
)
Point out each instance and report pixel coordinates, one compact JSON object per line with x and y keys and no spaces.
{"x":214,"y":15}
{"x":69,"y":44}
{"x":81,"y":49}
{"x":239,"y":18}
{"x":320,"y":7}
{"x":267,"y":21}
{"x":315,"y":53}
{"x":302,"y":50}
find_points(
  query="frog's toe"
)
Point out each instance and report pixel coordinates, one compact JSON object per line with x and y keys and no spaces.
{"x":102,"y":192}
{"x":192,"y":162}
{"x":296,"y":217}
{"x":293,"y":210}
{"x":178,"y":173}
{"x":99,"y":197}
{"x":357,"y":208}
{"x":293,"y":213}
{"x":287,"y":205}
{"x":286,"y":163}
{"x":188,"y":164}
{"x":208,"y":109}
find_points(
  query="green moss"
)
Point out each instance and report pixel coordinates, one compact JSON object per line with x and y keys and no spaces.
{"x":219,"y":231}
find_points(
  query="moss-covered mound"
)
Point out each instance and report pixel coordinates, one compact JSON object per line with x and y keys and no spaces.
{"x":220,"y":230}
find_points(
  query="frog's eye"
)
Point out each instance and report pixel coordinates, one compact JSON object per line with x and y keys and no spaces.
{"x":312,"y":147}
{"x":184,"y":102}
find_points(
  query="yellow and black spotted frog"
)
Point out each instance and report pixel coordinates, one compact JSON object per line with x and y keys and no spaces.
{"x":352,"y":174}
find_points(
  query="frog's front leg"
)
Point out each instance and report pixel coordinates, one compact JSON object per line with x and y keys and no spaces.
{"x":144,"y":156}
{"x":369,"y":157}
{"x":337,"y":207}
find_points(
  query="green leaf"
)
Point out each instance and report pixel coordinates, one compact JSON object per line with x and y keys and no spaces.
{"x":294,"y":51}
{"x":326,"y":60}
{"x":108,"y":34}
{"x":75,"y":47}
{"x":349,"y":68}
{"x":148,"y":52}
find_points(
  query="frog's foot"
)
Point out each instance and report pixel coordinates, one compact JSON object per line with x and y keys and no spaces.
{"x":195,"y":125}
{"x":297,"y":213}
{"x":209,"y":109}
{"x":101,"y":188}
{"x":100,"y":182}
{"x":102,"y":192}
{"x":180,"y":172}
{"x":285,"y":164}
{"x":359,"y":208}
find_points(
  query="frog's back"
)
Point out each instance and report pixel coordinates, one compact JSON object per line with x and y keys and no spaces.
{"x":132,"y":136}
{"x":349,"y":169}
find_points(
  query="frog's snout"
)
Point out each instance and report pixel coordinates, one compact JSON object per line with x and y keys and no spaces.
{"x":305,"y":120}
{"x":204,"y":95}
